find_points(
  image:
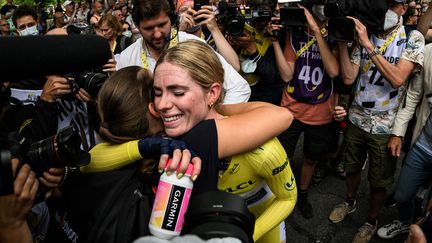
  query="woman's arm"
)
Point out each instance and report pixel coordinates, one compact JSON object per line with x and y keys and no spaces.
{"x":277,"y":173}
{"x":254,"y":124}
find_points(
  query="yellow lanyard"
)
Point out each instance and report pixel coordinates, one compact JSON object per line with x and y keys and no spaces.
{"x":383,"y":47}
{"x":173,"y":42}
{"x":305,"y":47}
{"x":114,"y":46}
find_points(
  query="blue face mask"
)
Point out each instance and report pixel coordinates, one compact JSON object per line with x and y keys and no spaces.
{"x":127,"y":33}
{"x":29,"y":31}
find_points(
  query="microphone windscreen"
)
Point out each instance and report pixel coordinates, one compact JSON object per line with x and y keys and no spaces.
{"x":34,"y":56}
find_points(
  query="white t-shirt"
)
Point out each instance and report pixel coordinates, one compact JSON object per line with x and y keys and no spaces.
{"x":236,"y":88}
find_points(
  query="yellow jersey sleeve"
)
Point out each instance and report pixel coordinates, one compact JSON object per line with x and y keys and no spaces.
{"x":278,"y":175}
{"x":106,"y":156}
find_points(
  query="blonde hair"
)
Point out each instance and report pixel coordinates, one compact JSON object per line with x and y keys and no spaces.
{"x":199,"y":60}
{"x":112,"y":22}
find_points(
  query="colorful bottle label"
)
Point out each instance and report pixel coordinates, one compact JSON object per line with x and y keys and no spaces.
{"x":169,"y":207}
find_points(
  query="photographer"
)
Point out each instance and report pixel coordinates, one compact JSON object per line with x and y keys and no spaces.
{"x":256,"y":47}
{"x":309,"y":67}
{"x":383,"y":62}
{"x":14,"y":208}
{"x":202,"y":23}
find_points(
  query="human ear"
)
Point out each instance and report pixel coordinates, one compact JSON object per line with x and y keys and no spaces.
{"x":152,"y":110}
{"x":214,"y":93}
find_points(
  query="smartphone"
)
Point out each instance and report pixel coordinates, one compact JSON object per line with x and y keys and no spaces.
{"x":292,"y":16}
{"x":341,"y":29}
{"x":199,"y":3}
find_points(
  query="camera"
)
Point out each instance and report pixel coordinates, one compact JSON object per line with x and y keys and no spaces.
{"x":89,"y":81}
{"x":199,"y":3}
{"x":341,"y":29}
{"x":60,"y":150}
{"x":233,"y":20}
{"x":219,"y":214}
{"x":293,"y":16}
{"x":370,"y":12}
{"x":230,"y":18}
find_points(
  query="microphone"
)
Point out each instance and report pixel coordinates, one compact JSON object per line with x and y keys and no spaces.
{"x":34,"y":56}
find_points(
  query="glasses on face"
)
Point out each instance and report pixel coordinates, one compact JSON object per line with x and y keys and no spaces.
{"x":24,"y":26}
{"x":5,"y":24}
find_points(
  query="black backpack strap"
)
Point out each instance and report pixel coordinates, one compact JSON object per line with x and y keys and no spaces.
{"x":123,"y":42}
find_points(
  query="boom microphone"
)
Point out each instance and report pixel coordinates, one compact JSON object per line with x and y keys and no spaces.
{"x":34,"y":56}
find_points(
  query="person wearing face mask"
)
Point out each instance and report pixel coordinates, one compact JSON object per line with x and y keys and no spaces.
{"x":25,"y":19}
{"x":308,"y":65}
{"x":383,"y":63}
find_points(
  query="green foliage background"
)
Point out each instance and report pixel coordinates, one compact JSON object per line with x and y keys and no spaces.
{"x":18,"y":2}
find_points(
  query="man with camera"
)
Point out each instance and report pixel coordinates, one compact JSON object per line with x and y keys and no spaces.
{"x":155,"y":20}
{"x":256,"y":49}
{"x":383,"y":62}
{"x":201,"y":21}
{"x":308,"y":65}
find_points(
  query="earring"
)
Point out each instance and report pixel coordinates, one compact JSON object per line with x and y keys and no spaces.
{"x":210,"y":105}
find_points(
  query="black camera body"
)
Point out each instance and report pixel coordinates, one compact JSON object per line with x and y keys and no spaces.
{"x":370,"y":12}
{"x":6,"y":176}
{"x":199,"y":3}
{"x":219,"y":214}
{"x":60,"y":150}
{"x":233,"y":20}
{"x":89,"y":81}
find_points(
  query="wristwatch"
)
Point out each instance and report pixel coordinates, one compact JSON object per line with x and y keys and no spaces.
{"x":376,"y":51}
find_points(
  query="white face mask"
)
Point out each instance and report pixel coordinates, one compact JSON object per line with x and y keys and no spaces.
{"x":29,"y":31}
{"x":127,"y":33}
{"x":318,"y":11}
{"x":391,"y":20}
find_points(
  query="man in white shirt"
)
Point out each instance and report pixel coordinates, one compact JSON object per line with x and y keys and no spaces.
{"x":154,"y":20}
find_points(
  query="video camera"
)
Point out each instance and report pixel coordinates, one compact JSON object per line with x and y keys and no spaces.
{"x":293,"y":16}
{"x":233,"y":19}
{"x":370,"y":12}
{"x":89,"y":81}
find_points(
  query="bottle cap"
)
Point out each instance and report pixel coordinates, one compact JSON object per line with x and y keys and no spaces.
{"x":189,"y":169}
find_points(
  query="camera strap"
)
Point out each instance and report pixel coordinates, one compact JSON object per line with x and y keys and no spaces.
{"x":305,"y":47}
{"x":173,"y":42}
{"x":382,"y":49}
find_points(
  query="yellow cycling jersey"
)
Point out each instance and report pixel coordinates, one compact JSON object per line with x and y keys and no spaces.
{"x":263,"y":177}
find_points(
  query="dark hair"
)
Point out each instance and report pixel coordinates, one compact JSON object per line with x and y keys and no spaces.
{"x":24,"y":10}
{"x":143,"y":9}
{"x":123,"y":105}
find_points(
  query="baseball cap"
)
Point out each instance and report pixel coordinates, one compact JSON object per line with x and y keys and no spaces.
{"x":67,"y":2}
{"x":400,"y":1}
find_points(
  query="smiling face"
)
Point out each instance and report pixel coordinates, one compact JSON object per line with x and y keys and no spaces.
{"x":180,"y":101}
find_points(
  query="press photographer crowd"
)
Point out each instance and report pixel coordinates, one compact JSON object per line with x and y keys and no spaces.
{"x":178,"y":120}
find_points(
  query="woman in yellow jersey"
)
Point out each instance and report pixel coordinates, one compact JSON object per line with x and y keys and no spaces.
{"x":187,"y":93}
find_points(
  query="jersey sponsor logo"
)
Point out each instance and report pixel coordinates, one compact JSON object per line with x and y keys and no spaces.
{"x":289,"y":186}
{"x":240,"y":186}
{"x":256,"y":197}
{"x":235,"y":168}
{"x":279,"y":169}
